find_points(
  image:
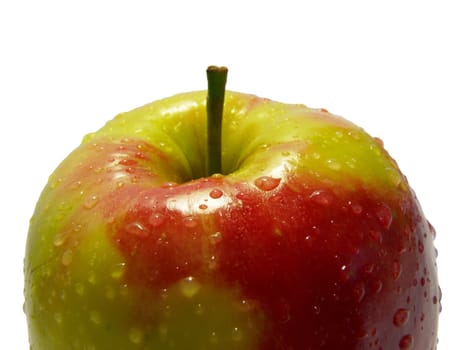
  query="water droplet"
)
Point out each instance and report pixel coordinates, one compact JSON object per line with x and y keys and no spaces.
{"x":384,"y":215}
{"x":92,"y":277}
{"x":118,"y":271}
{"x":123,"y":290}
{"x":169,"y":185}
{"x":237,"y":334}
{"x":156,"y":219}
{"x":75,"y":185}
{"x":322,"y":197}
{"x":199,"y":309}
{"x":212,"y":264}
{"x":378,"y":141}
{"x":245,"y":305}
{"x":167,"y":311}
{"x":90,"y":201}
{"x":128,"y":162}
{"x":421,"y":247}
{"x":79,"y":289}
{"x":190,"y":222}
{"x":215,"y":238}
{"x":316,"y":309}
{"x":401,"y":317}
{"x":369,"y":268}
{"x":406,"y":342}
{"x":67,"y":257}
{"x":141,"y":155}
{"x":59,"y":239}
{"x":358,"y":292}
{"x":344,"y":273}
{"x":53,"y":184}
{"x":356,"y":208}
{"x":95,"y":317}
{"x":376,"y":286}
{"x":333,"y":164}
{"x":309,"y":241}
{"x":376,"y":236}
{"x":189,"y":286}
{"x":213,"y":338}
{"x":216,"y":193}
{"x":396,"y":270}
{"x":432,"y":230}
{"x":376,"y":150}
{"x":267,"y":183}
{"x":277,"y":231}
{"x":361,"y":333}
{"x":137,"y":229}
{"x":136,"y":335}
{"x":58,"y":317}
{"x":394,"y":176}
{"x":241,"y":196}
{"x":351,"y":163}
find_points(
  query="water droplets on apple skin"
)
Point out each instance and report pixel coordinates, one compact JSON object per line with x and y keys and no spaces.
{"x":95,"y":317}
{"x":59,"y":239}
{"x":384,"y":214}
{"x":333,"y":164}
{"x":396,"y":270}
{"x":216,"y":193}
{"x":90,"y":201}
{"x":156,"y":219}
{"x":136,"y":335}
{"x":80,"y":288}
{"x":215,"y":238}
{"x":324,"y":198}
{"x":355,"y":207}
{"x":118,"y":271}
{"x":359,"y":292}
{"x":189,"y":286}
{"x":137,"y":229}
{"x":401,"y":317}
{"x":190,"y":222}
{"x":267,"y":183}
{"x":67,"y":257}
{"x":406,"y":342}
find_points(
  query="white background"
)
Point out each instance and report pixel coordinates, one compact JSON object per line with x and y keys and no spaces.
{"x":397,"y":68}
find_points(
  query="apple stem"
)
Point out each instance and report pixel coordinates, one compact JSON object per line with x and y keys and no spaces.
{"x":217,"y":78}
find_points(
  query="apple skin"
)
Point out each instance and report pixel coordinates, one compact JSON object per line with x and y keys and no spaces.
{"x":312,"y":238}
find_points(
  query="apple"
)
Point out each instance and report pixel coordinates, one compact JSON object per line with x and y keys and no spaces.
{"x":300,"y":233}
